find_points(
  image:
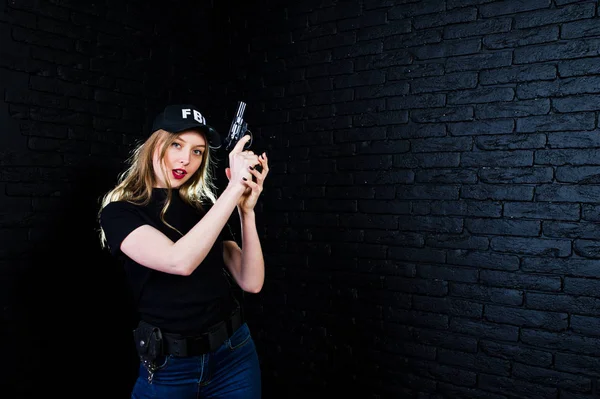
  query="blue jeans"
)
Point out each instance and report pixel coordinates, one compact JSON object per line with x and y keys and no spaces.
{"x":232,"y":371}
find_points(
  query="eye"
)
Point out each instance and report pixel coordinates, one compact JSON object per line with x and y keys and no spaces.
{"x":176,"y":145}
{"x":198,"y":152}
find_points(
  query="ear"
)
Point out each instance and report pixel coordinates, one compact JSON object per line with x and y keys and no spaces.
{"x":228,"y":173}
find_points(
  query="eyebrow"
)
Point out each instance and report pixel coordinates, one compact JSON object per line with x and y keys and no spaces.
{"x":199,"y":145}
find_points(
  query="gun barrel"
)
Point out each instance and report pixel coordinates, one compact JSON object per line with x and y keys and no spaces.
{"x":241,"y":109}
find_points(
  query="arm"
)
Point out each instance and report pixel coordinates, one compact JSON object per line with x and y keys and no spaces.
{"x":247,"y":265}
{"x":151,"y":248}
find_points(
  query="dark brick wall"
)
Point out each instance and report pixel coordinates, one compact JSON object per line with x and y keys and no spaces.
{"x":432,"y":208}
{"x":429,"y":220}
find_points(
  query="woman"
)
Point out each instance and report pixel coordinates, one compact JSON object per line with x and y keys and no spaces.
{"x":164,"y":221}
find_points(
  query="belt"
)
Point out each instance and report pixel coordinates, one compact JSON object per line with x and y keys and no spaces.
{"x":178,"y":345}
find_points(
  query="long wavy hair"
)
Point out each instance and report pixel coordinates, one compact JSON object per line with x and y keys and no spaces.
{"x":135,"y":184}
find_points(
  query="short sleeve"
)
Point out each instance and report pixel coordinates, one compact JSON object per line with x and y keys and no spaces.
{"x":118,"y":219}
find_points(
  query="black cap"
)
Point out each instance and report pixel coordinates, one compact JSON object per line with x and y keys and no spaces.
{"x":179,"y":117}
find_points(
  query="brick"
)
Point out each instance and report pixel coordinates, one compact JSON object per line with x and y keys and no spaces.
{"x":564,"y":303}
{"x":578,"y":174}
{"x":484,"y":191}
{"x":518,"y":388}
{"x":481,"y":95}
{"x":445,"y":18}
{"x":566,"y":193}
{"x":587,"y":249}
{"x":464,"y":208}
{"x":513,"y":109}
{"x":478,"y":361}
{"x":558,"y":51}
{"x":521,"y":73}
{"x":511,"y":7}
{"x":483,"y":260}
{"x":577,"y":364}
{"x":446,"y":273}
{"x":436,"y":115}
{"x":358,"y":49}
{"x":569,"y":229}
{"x":556,"y":122}
{"x":577,"y":29}
{"x":391,"y":91}
{"x":448,"y":49}
{"x":415,"y":71}
{"x":555,"y":16}
{"x":561,"y":157}
{"x":526,"y":318}
{"x":417,"y":101}
{"x":578,"y":67}
{"x":571,"y":266}
{"x":479,"y":62}
{"x":511,"y":141}
{"x":415,"y":39}
{"x":505,"y":279}
{"x":483,"y":27}
{"x":383,"y":60}
{"x":454,"y":81}
{"x":449,"y":306}
{"x":516,"y":175}
{"x":577,"y":103}
{"x":541,"y":210}
{"x":383,"y":30}
{"x":445,"y":340}
{"x":447,"y":176}
{"x":517,"y":353}
{"x":476,"y":128}
{"x":562,"y":87}
{"x":497,"y":158}
{"x":412,"y":9}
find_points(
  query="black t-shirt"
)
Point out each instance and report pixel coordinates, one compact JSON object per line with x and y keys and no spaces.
{"x":182,"y":304}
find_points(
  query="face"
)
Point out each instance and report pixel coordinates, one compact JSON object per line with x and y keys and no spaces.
{"x":182,"y":159}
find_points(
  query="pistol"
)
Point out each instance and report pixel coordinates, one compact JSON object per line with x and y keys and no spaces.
{"x":238,"y":128}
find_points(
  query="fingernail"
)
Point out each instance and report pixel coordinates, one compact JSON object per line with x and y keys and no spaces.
{"x":243,"y":178}
{"x":251,"y":167}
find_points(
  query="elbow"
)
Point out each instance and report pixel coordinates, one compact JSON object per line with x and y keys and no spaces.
{"x":181,"y":267}
{"x":184,"y":271}
{"x":253,"y":288}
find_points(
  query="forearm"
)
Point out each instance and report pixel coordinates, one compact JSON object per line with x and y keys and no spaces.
{"x":252,"y":270}
{"x":191,"y":249}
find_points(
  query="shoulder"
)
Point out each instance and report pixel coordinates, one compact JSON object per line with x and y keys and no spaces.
{"x":118,"y":206}
{"x":119,"y":210}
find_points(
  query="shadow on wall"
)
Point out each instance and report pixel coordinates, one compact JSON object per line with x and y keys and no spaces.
{"x":74,"y":314}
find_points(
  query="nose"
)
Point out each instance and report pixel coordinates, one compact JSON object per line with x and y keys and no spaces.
{"x":185,"y":159}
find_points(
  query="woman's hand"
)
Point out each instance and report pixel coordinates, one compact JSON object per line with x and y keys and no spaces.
{"x":253,"y":188}
{"x":240,"y":162}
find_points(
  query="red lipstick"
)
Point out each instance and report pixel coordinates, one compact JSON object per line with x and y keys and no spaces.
{"x":179,"y":173}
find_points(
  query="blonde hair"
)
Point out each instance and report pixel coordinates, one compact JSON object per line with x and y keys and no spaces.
{"x":135,"y":184}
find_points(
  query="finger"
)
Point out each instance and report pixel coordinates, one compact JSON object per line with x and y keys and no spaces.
{"x":264,"y":162}
{"x":239,"y":146}
{"x":228,"y":173}
{"x":255,"y":173}
{"x":255,"y":187}
{"x":249,"y":183}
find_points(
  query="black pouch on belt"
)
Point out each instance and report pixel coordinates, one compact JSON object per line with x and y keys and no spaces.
{"x":148,"y":342}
